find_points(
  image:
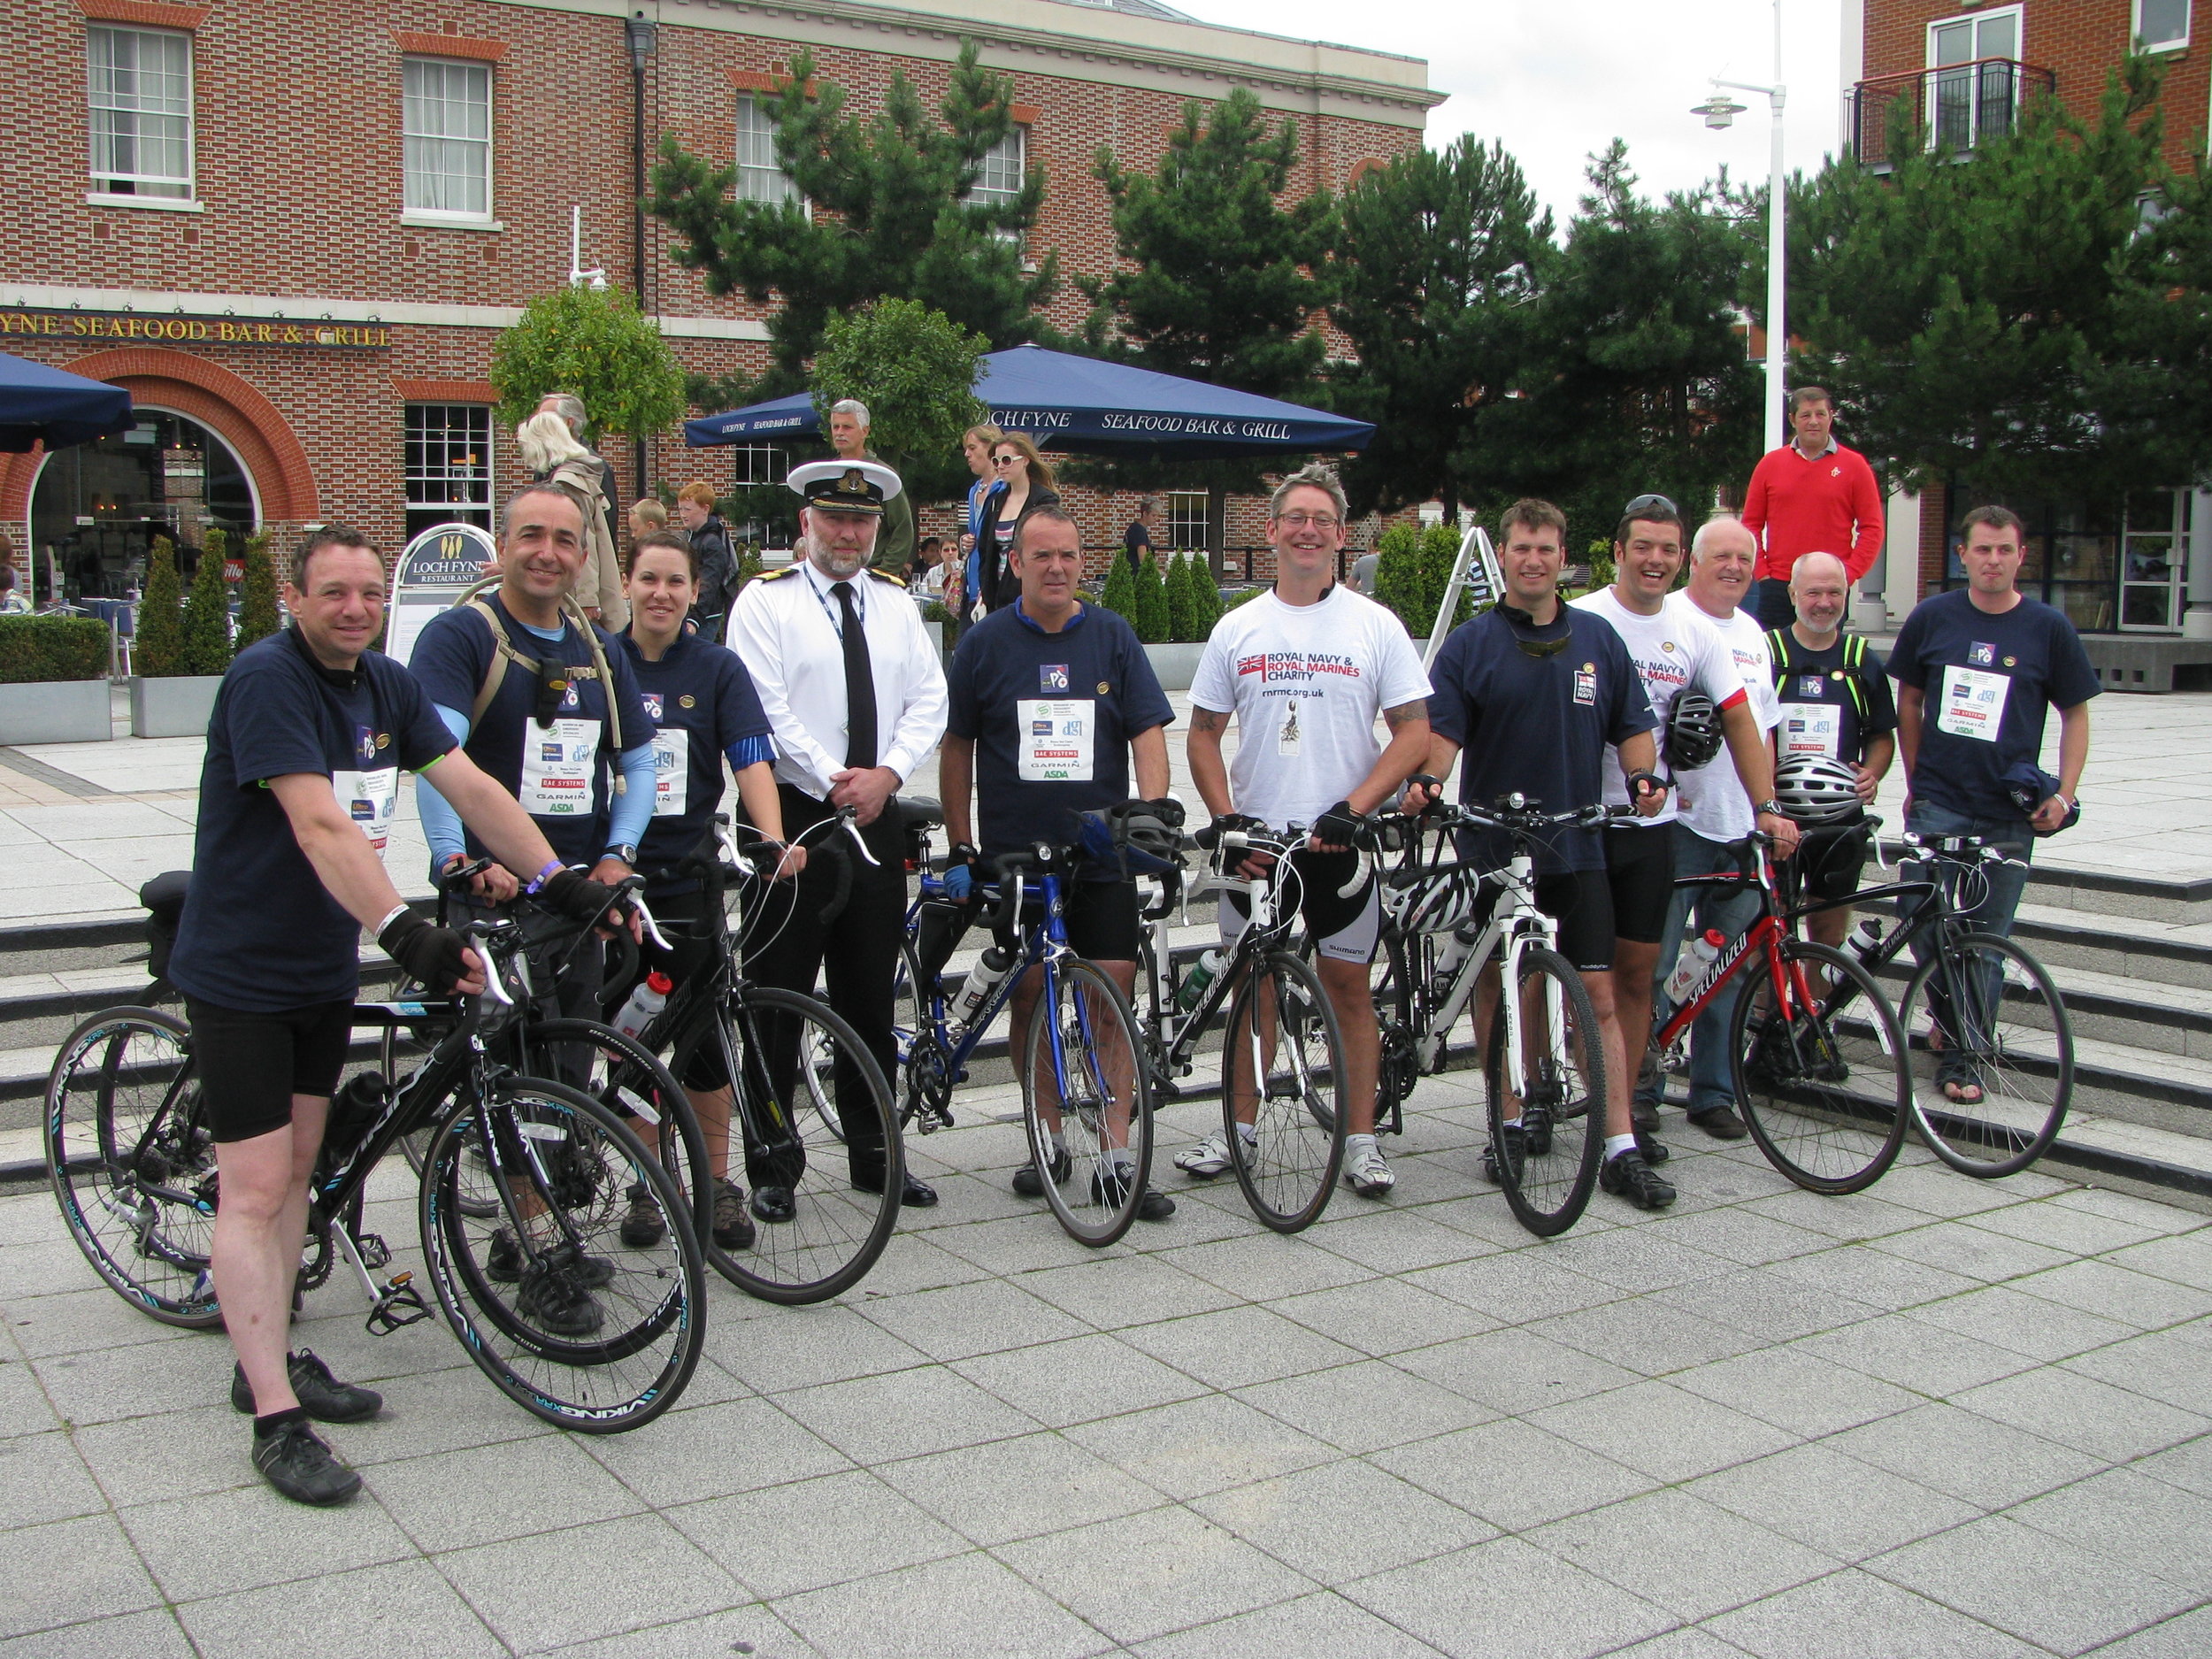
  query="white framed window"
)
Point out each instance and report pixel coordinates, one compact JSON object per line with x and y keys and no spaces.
{"x":760,"y":464}
{"x":1187,"y":521}
{"x":141,"y":87}
{"x":1974,"y":94}
{"x":2161,"y":26}
{"x":448,"y":465}
{"x":446,"y":138}
{"x":1005,"y":167}
{"x":760,"y":175}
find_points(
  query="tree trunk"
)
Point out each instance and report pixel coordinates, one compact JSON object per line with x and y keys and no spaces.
{"x":1217,"y":530}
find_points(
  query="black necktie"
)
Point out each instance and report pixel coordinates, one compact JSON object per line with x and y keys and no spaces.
{"x":860,"y":686}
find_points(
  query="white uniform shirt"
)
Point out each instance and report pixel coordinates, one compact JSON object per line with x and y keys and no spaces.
{"x":1677,"y":650}
{"x":785,"y":626}
{"x":1713,"y":804}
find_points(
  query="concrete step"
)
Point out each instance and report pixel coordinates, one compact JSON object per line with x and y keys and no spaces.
{"x":2110,"y":893}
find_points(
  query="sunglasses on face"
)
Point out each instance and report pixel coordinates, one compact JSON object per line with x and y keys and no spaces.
{"x":1005,"y":460}
{"x":1644,"y":504}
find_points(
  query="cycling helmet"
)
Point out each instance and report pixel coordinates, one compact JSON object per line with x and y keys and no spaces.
{"x":1693,"y":731}
{"x":1814,"y":789}
{"x":1133,"y":839}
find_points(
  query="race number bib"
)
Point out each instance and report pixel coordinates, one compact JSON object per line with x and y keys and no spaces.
{"x":368,"y":798}
{"x":1973,"y":703}
{"x":672,"y":773}
{"x":1055,"y":740}
{"x":1811,"y":728}
{"x":557,"y":765}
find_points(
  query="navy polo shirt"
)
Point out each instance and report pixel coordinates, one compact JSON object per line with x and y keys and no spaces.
{"x":1539,"y":725}
{"x":702,"y":702}
{"x":1051,"y":716}
{"x":260,"y":932}
{"x":453,"y":655}
{"x":1985,"y":682}
{"x":1828,"y":707}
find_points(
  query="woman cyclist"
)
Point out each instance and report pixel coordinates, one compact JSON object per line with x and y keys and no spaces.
{"x":702,"y":701}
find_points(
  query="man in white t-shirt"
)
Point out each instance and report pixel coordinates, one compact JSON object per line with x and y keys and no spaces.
{"x":1306,"y":669}
{"x":1676,"y":648}
{"x":1717,"y":810}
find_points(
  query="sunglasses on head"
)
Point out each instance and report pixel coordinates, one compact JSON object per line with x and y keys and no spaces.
{"x":1644,"y":504}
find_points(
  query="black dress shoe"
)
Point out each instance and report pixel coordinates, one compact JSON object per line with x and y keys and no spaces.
{"x":773,"y":1205}
{"x":915,"y":1194}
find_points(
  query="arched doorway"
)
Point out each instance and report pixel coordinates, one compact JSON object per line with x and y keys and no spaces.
{"x":96,"y":507}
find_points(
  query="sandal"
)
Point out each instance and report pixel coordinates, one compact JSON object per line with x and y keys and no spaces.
{"x":1960,"y":1085}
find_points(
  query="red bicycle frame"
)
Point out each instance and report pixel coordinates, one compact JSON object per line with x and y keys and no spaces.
{"x":1792,"y":993}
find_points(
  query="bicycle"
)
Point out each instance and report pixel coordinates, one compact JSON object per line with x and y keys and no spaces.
{"x":1978,"y":1008}
{"x":1288,"y":1147}
{"x":1826,"y":1097}
{"x":523,"y":1180}
{"x":1086,"y":1095}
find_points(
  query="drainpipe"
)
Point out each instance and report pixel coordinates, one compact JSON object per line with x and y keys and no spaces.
{"x":2196,"y":622}
{"x":644,"y":35}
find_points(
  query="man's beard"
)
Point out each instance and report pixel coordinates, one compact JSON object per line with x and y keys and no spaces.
{"x":838,"y":564}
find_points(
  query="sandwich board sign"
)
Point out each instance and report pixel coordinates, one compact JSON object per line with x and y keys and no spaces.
{"x":440,"y":565}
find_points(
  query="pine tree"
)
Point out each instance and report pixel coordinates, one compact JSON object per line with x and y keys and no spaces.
{"x":158,"y":651}
{"x":1398,"y":585}
{"x":1205,"y":598}
{"x":207,"y":611}
{"x":1120,"y":597}
{"x":1179,"y":608}
{"x":1151,"y":619}
{"x":258,"y":616}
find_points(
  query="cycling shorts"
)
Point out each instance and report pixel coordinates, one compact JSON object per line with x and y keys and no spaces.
{"x":252,"y":1064}
{"x":1640,"y":873}
{"x":1343,"y":927}
{"x":1581,"y":902}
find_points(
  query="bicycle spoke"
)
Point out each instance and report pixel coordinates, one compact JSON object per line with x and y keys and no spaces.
{"x":1984,"y":1016}
{"x":1820,"y":1070}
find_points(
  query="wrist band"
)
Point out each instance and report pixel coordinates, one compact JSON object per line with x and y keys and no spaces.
{"x":553,"y":867}
{"x":391,"y":916}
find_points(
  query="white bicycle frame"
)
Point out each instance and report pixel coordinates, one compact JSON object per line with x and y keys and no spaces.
{"x":1515,"y":925}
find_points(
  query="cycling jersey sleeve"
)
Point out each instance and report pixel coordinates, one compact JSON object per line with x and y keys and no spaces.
{"x":633,"y":807}
{"x":441,"y":826}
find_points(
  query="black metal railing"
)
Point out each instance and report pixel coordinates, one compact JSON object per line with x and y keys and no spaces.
{"x":1956,"y":108}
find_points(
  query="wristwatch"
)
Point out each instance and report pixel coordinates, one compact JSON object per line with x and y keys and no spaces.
{"x":626,"y":853}
{"x":1774,"y":806}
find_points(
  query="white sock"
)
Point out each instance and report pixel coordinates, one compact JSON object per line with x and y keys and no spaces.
{"x":1614,"y":1144}
{"x":1251,"y":1134}
{"x":1357,"y":1143}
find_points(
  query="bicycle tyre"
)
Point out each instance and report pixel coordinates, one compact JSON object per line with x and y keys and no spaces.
{"x":605,"y":1380}
{"x":1550,"y":1189}
{"x":1098,"y":1031}
{"x":1790,"y":1072}
{"x":1288,"y":1171}
{"x":626,"y":1076}
{"x":145,"y":1219}
{"x":1397,"y":1068}
{"x":910,"y":1027}
{"x":836,"y":1231}
{"x":2026,"y":1092}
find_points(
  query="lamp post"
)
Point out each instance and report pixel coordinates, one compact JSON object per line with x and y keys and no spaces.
{"x":1720,"y":111}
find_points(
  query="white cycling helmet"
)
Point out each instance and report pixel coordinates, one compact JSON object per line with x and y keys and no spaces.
{"x":1814,"y":789}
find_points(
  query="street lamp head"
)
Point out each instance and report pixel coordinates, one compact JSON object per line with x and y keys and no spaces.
{"x":1720,"y":111}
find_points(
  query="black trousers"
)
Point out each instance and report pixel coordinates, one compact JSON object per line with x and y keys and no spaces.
{"x":1771,"y":603}
{"x":857,"y":951}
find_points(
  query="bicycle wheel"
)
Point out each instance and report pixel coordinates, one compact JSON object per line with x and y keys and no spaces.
{"x":626,"y":1077}
{"x":1091,"y":1079}
{"x":815,"y":1233}
{"x":1398,"y":1069}
{"x":576,"y":1327}
{"x":1823,"y":1080}
{"x":2001,"y":1023}
{"x":1283,"y":1054}
{"x":132,"y":1164}
{"x":1562,"y":1110}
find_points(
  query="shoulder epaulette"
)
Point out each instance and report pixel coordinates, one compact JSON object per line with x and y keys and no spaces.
{"x":777,"y":576}
{"x":884,"y":576}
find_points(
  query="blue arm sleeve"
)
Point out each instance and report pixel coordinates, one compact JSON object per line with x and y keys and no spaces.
{"x":441,"y":824}
{"x":750,"y":751}
{"x":633,"y":807}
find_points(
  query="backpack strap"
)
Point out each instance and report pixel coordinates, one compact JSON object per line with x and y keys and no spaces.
{"x":1778,"y":649}
{"x":504,"y":651}
{"x":1854,"y":670}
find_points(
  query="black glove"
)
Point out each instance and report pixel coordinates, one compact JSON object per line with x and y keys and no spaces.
{"x":576,"y":895}
{"x":1638,"y":780}
{"x":1210,"y":836}
{"x":1167,"y":809}
{"x":1339,"y":826}
{"x":431,"y":955}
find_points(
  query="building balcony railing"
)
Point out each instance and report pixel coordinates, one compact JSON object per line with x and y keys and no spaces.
{"x":1955,"y":107}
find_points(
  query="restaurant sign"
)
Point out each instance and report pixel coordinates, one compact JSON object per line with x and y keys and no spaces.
{"x":153,"y":328}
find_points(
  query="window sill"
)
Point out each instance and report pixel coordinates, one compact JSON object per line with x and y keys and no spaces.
{"x":436,"y":221}
{"x":159,"y":204}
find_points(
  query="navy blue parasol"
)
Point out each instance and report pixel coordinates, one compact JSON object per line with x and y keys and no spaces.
{"x":40,"y":405}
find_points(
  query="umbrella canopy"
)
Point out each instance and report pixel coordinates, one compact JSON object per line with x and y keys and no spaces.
{"x":1092,"y":405}
{"x":39,"y":404}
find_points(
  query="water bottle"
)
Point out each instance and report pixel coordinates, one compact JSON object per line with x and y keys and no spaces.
{"x":1689,"y":967}
{"x":1453,"y":951}
{"x":1194,"y":982}
{"x":1865,"y":939}
{"x":982,"y":979}
{"x":647,"y":1000}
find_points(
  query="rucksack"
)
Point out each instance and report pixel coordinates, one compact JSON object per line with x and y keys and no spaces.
{"x":504,"y":651}
{"x":1853,"y":664}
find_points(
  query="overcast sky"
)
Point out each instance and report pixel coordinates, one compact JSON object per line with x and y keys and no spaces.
{"x":1559,"y":82}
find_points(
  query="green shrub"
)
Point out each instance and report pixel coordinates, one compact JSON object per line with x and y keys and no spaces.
{"x":35,"y":650}
{"x":1179,"y":605}
{"x":935,"y":612}
{"x":258,"y":616}
{"x":1205,"y":598}
{"x":1439,"y":550}
{"x":1398,"y":578}
{"x":158,"y":651}
{"x":207,"y":612}
{"x":1151,"y":619}
{"x":747,"y":564}
{"x":1244,"y":598}
{"x":1120,"y":595}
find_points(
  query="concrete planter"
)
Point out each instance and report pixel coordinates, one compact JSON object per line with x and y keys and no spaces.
{"x":176,"y":706}
{"x":54,"y":712}
{"x":1175,"y":664}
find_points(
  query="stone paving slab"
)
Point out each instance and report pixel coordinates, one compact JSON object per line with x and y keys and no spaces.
{"x":1941,"y":1418}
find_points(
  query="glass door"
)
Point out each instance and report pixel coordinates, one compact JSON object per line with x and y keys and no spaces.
{"x":2154,"y":559}
{"x":1973,"y":92}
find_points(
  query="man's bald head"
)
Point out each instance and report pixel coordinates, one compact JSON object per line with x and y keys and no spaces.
{"x":1721,"y":556}
{"x":1724,"y":532}
{"x":1823,"y":569}
{"x":1819,"y":585}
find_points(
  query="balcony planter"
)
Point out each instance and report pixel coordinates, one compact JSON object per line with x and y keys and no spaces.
{"x":1175,"y":664}
{"x":177,"y":705}
{"x":53,"y":681}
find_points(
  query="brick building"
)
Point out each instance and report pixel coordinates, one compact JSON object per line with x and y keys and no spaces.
{"x":1966,"y":71}
{"x":292,"y":233}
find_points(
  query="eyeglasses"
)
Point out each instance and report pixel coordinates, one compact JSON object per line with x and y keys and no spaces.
{"x":1542,"y":649}
{"x":1318,"y":520}
{"x":1644,"y":504}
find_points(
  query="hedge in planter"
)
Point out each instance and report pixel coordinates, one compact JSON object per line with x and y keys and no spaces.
{"x":158,"y":652}
{"x":1150,"y":620}
{"x":36,"y":649}
{"x":257,"y":615}
{"x":207,"y":612}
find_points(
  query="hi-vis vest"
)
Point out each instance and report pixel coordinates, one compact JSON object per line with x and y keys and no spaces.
{"x":1854,"y":663}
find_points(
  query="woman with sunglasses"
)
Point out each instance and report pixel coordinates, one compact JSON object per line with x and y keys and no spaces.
{"x":703,"y":706}
{"x":1024,"y":483}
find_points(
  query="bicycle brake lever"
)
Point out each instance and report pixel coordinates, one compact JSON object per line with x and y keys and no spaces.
{"x":652,"y":930}
{"x":853,"y":830}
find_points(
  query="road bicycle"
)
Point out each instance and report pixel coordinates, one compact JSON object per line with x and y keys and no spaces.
{"x":524,"y":1187}
{"x":1978,"y":1008}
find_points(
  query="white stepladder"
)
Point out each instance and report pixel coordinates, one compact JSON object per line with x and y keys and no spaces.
{"x":1476,"y":570}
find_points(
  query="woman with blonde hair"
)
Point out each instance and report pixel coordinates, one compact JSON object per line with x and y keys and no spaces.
{"x":554,"y":455}
{"x":1023,"y":484}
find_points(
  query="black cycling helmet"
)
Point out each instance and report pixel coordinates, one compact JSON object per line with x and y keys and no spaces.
{"x":1694,"y":735}
{"x":1134,"y":838}
{"x":1814,"y":789}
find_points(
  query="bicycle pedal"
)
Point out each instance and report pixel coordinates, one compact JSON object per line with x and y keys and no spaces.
{"x":375,"y":1253}
{"x":400,"y":1304}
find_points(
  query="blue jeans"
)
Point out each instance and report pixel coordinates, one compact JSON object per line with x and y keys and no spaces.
{"x":1711,"y":1082}
{"x":1993,"y":914}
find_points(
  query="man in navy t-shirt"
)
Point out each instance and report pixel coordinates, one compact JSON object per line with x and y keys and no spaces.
{"x":1975,"y":671}
{"x":1049,"y":700}
{"x":309,"y":733}
{"x":1526,"y":697}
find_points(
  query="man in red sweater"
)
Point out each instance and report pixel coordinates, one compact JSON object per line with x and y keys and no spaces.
{"x":1811,"y":495}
